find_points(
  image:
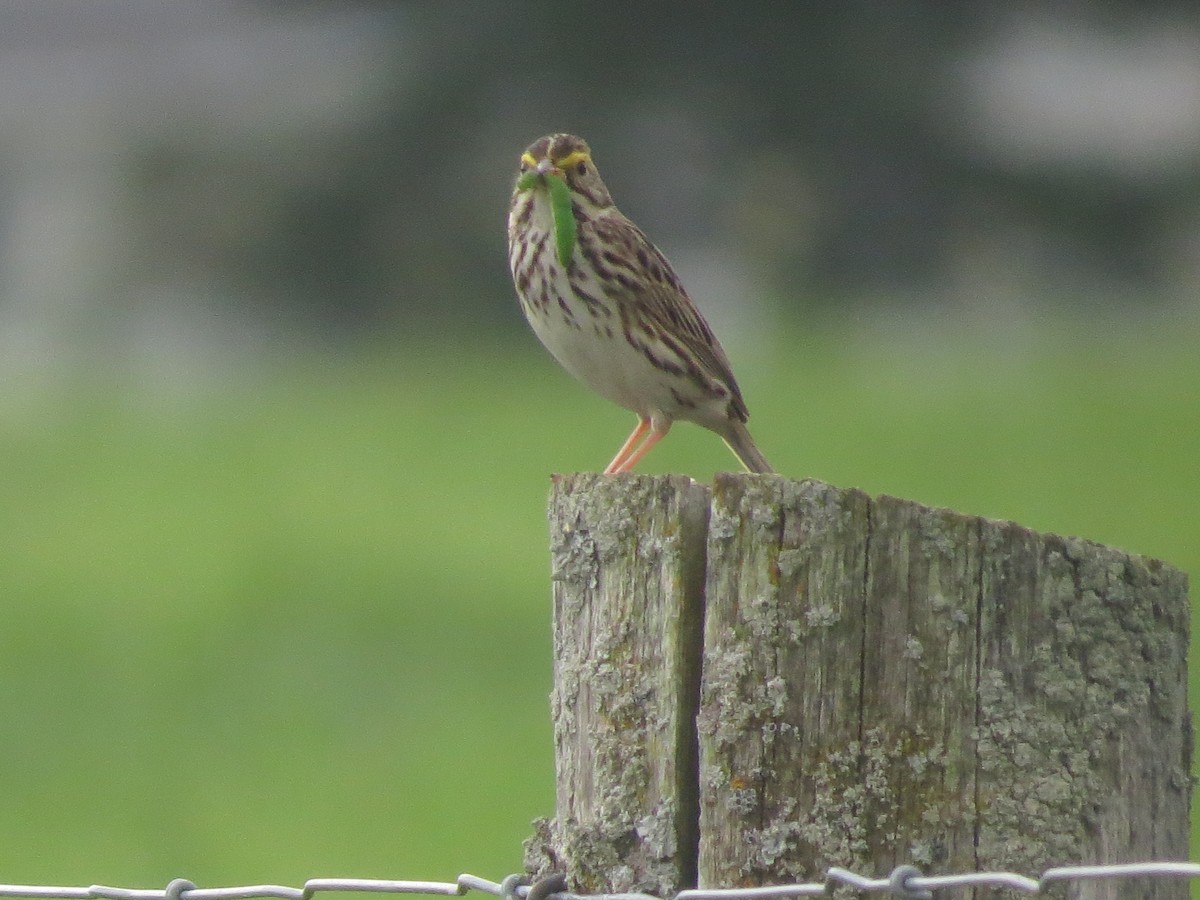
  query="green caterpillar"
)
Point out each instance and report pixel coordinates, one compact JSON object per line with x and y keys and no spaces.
{"x":560,"y":206}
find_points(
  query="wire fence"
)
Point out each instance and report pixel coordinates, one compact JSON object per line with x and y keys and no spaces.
{"x":904,"y":881}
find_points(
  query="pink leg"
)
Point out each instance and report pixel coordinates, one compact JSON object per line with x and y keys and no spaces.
{"x":627,"y":447}
{"x":656,"y":434}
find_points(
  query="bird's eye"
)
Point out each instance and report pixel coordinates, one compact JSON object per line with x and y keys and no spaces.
{"x":581,"y":168}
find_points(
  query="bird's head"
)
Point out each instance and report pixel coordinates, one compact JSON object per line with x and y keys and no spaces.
{"x":568,"y":157}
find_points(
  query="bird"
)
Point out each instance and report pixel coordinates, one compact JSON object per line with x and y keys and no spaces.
{"x":610,"y":309}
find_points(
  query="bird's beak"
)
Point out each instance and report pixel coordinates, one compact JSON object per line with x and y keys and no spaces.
{"x":545,"y":166}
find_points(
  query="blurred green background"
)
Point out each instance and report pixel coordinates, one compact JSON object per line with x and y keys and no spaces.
{"x":276,"y":442}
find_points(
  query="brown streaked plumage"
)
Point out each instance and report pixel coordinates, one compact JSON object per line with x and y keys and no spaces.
{"x":616,"y":316}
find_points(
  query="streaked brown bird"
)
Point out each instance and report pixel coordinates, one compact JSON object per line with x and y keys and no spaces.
{"x":609,"y":307}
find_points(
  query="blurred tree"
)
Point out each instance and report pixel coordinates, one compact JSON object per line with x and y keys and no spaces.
{"x":847,"y":151}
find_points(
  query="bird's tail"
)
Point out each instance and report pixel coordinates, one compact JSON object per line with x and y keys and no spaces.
{"x":737,"y":438}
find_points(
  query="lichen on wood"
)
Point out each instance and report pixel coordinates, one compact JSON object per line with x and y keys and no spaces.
{"x":882,"y":683}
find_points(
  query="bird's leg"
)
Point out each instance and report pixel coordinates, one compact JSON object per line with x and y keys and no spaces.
{"x":657,"y":433}
{"x":627,"y":447}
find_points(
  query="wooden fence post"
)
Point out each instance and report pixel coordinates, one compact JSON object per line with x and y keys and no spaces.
{"x":883,"y":683}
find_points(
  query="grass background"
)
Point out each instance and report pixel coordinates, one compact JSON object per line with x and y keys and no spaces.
{"x":296,"y":623}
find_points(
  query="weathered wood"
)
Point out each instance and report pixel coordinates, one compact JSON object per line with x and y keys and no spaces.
{"x":885,"y":683}
{"x":627,"y":572}
{"x":782,"y":677}
{"x":1084,"y":736}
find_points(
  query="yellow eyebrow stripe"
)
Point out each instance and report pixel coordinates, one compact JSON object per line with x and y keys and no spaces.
{"x":527,"y":159}
{"x":571,"y":159}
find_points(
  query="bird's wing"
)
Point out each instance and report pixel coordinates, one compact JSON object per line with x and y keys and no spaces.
{"x":653,"y":288}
